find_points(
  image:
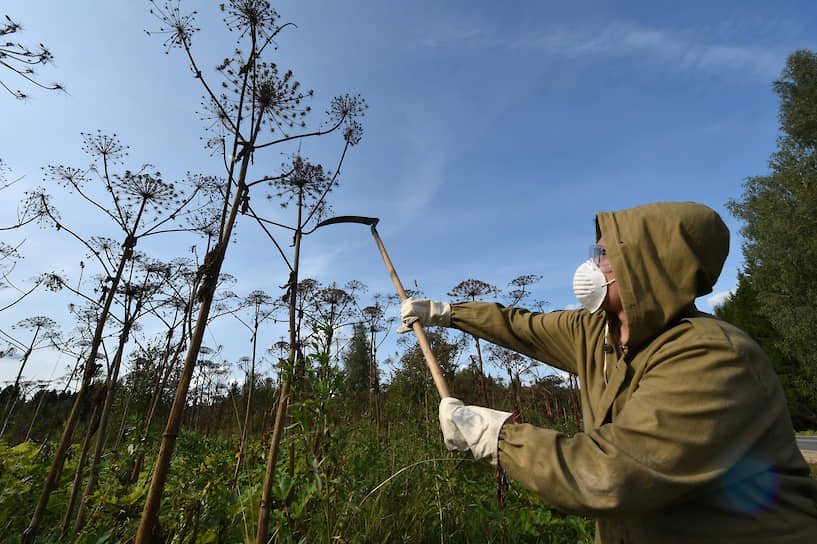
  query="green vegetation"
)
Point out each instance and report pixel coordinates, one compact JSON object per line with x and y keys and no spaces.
{"x":773,"y":300}
{"x":336,"y":481}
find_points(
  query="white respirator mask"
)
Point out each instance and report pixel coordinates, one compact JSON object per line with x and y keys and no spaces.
{"x":590,"y":285}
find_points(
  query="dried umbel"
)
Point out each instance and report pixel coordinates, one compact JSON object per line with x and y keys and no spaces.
{"x":305,"y":180}
{"x":8,"y":252}
{"x":333,"y":297}
{"x":177,"y":27}
{"x":278,"y":98}
{"x":138,"y":188}
{"x":373,"y":314}
{"x":263,"y":94}
{"x":255,"y":16}
{"x":204,"y":222}
{"x":209,"y":185}
{"x":258,"y":298}
{"x":520,"y":287}
{"x":5,"y":173}
{"x":104,"y":146}
{"x":472,"y":289}
{"x":347,"y":109}
{"x":52,"y":281}
{"x":37,"y":206}
{"x":67,"y":176}
{"x":281,"y":347}
{"x":107,"y":247}
{"x":347,"y":106}
{"x":36,"y":323}
{"x":21,"y":60}
{"x":353,"y":132}
{"x":156,"y":267}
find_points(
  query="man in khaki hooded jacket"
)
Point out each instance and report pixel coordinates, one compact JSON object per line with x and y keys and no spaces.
{"x":687,"y":436}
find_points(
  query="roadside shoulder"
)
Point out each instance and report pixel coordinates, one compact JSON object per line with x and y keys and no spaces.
{"x":810,"y":456}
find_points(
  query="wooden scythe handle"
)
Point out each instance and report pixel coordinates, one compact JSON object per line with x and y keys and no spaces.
{"x":431,"y":361}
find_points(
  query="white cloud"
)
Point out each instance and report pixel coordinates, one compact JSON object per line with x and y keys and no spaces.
{"x":620,"y":38}
{"x":716,"y":299}
{"x":575,"y":306}
{"x":687,"y":52}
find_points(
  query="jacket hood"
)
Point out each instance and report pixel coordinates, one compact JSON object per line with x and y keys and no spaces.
{"x":664,"y":255}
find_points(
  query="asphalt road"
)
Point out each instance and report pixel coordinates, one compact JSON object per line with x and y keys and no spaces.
{"x":807,"y":443}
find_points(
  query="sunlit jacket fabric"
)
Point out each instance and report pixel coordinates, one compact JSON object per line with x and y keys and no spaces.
{"x":691,"y":439}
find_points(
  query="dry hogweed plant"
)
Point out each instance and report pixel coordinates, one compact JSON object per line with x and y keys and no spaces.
{"x":250,"y":103}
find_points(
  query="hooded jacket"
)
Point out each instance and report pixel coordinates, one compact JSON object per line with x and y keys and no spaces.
{"x":689,"y":439}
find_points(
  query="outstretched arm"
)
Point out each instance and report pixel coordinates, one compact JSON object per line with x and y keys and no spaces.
{"x":556,"y":338}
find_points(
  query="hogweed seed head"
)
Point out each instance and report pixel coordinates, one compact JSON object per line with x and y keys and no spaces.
{"x":104,"y":146}
{"x":177,"y":27}
{"x":254,"y":16}
{"x":67,"y":176}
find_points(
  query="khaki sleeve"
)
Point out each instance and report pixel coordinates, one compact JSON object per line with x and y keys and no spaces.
{"x":556,"y":338}
{"x":585,"y":474}
{"x":676,"y":434}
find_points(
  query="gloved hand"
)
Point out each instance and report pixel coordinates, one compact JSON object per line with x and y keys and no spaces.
{"x":426,"y":311}
{"x":471,"y":427}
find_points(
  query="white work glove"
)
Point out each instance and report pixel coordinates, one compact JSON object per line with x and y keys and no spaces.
{"x":426,"y":311}
{"x":471,"y":427}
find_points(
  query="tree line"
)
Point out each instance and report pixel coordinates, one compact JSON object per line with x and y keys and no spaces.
{"x":773,"y":300}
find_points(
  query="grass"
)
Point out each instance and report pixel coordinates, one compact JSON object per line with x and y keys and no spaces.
{"x":405,"y":488}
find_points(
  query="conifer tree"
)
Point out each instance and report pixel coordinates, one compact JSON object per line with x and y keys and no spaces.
{"x":779,"y":214}
{"x":356,"y":360}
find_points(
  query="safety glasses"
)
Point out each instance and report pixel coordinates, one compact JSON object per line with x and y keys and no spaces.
{"x":596,"y":253}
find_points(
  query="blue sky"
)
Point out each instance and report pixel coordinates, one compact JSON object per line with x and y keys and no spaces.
{"x":494,"y":133}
